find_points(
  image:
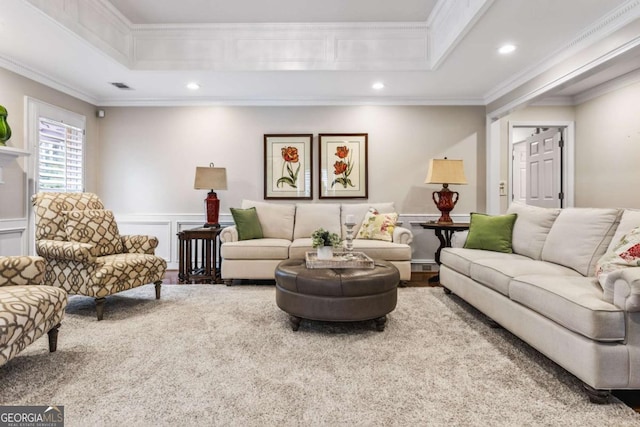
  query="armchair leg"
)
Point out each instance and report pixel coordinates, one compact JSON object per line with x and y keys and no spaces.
{"x":100,"y":307}
{"x":158,"y":288}
{"x":53,"y":338}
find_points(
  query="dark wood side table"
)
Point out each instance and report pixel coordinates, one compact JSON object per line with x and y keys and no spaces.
{"x":199,"y":255}
{"x":443,"y":233}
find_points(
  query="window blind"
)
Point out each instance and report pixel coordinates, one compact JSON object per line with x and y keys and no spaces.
{"x":60,"y":157}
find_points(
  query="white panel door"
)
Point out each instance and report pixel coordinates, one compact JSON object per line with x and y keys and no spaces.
{"x":519,"y":191}
{"x":543,"y":165}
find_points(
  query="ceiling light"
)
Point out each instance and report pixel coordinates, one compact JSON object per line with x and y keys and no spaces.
{"x":506,"y":49}
{"x":193,"y":86}
{"x":378,"y":86}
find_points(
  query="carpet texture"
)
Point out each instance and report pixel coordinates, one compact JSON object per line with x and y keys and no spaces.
{"x":217,"y":355}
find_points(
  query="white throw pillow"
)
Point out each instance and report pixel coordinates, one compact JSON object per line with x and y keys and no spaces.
{"x":359,"y":210}
{"x":378,"y":226}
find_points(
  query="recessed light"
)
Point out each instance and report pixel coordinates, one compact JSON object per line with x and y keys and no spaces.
{"x":378,"y":85}
{"x":506,"y":49}
{"x":193,"y":86}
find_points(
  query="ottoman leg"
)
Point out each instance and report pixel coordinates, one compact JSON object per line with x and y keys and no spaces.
{"x":380,"y":323}
{"x":295,"y":322}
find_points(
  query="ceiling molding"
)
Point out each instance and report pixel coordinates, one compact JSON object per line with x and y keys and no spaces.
{"x":280,"y":102}
{"x":269,"y":46}
{"x":46,"y":80}
{"x":615,"y":20}
{"x":627,"y":79}
{"x":448,"y":23}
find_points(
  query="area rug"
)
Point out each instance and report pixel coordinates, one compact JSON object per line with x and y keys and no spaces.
{"x":217,"y":355}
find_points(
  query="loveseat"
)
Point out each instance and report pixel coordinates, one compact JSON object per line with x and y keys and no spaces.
{"x":28,"y":309}
{"x":547,"y":293}
{"x":287,"y":229}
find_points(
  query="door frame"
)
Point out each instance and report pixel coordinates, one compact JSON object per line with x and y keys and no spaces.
{"x":568,"y":157}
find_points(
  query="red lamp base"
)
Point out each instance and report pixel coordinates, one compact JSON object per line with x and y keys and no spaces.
{"x":445,"y":203}
{"x":212,"y":208}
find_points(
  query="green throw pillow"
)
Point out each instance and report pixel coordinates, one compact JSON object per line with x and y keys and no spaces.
{"x":491,"y":233}
{"x":247,"y":223}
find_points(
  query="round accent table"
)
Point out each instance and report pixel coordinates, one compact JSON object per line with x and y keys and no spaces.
{"x":336,"y":295}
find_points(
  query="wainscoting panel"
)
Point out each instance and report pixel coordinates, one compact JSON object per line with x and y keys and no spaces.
{"x":13,"y":237}
{"x":166,"y":227}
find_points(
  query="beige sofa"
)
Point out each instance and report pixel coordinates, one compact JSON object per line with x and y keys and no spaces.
{"x":287,"y":229}
{"x":547,"y":294}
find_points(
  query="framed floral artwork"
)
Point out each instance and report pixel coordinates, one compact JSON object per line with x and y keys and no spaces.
{"x":343,"y":166}
{"x":288,"y":171}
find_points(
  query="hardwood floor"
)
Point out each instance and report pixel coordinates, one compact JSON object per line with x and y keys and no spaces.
{"x":631,"y":398}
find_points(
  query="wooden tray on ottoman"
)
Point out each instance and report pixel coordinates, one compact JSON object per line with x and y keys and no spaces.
{"x":340,"y":260}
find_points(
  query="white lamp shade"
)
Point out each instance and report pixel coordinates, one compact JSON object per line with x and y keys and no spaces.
{"x":445,"y":171}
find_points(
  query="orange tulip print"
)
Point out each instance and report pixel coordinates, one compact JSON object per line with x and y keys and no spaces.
{"x":342,"y":168}
{"x":290,"y":156}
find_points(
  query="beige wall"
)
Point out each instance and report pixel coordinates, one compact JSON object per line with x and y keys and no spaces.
{"x":13,"y":89}
{"x":608,"y":150}
{"x":148,"y":156}
{"x":607,"y":146}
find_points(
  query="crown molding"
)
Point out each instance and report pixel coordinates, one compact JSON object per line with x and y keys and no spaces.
{"x":279,"y":102}
{"x":448,"y":23}
{"x":615,"y":20}
{"x":46,"y":80}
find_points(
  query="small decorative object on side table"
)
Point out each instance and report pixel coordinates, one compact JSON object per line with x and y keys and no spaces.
{"x":443,"y":233}
{"x":200,"y":259}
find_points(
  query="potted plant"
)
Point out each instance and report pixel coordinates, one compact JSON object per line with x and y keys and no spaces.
{"x":324,"y":242}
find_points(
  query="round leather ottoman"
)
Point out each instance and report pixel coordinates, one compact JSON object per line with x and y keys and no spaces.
{"x":338,"y":295}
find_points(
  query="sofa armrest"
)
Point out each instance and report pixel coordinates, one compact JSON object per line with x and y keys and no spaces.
{"x":402,"y":235}
{"x":66,"y":251}
{"x":229,"y":234}
{"x":622,"y":288}
{"x":21,"y":270}
{"x":139,"y":244}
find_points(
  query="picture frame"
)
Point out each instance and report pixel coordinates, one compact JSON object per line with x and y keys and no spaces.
{"x":288,"y":166}
{"x":343,"y":165}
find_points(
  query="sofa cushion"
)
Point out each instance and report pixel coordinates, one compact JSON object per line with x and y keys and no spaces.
{"x":574,"y":302}
{"x":311,"y":216}
{"x":579,"y":237}
{"x":299,"y":248}
{"x":94,"y":226}
{"x":531,"y":228}
{"x":497,"y":273}
{"x":460,"y":259}
{"x":276,"y":219}
{"x":247,"y":223}
{"x":359,"y":210}
{"x":491,"y":233}
{"x":629,"y":220}
{"x":256,"y":249}
{"x":378,"y":226}
{"x":378,"y":249}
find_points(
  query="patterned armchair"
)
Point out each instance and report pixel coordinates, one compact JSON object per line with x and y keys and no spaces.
{"x":27,"y":309}
{"x":84,"y":252}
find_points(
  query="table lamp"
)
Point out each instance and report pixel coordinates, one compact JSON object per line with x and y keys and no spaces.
{"x":445,"y":172}
{"x":210,"y":178}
